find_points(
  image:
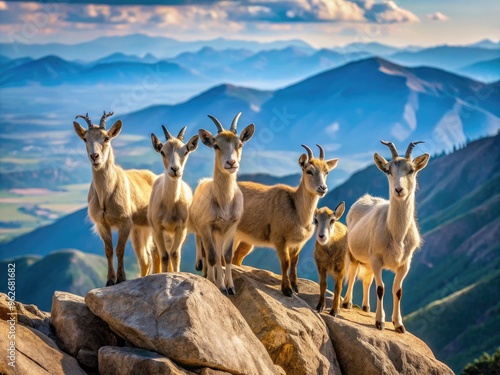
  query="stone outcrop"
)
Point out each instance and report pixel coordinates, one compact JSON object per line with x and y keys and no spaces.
{"x":179,"y":323}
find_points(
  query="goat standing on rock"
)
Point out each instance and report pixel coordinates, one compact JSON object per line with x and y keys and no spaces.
{"x":118,"y":199}
{"x":330,"y":252}
{"x":218,"y":203}
{"x":170,"y":201}
{"x":280,"y":216}
{"x":384,"y":233}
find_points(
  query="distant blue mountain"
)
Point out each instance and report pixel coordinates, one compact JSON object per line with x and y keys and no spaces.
{"x":373,"y":48}
{"x":486,"y":43}
{"x":121,"y":57}
{"x":451,"y":58}
{"x":137,"y":44}
{"x":52,"y":70}
{"x":209,"y":58}
{"x":485,"y":71}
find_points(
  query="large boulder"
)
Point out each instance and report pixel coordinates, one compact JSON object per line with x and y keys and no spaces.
{"x":79,"y":332}
{"x":35,"y":353}
{"x":295,"y":336}
{"x":184,"y":317}
{"x":27,"y":315}
{"x":364,"y":350}
{"x":134,"y":361}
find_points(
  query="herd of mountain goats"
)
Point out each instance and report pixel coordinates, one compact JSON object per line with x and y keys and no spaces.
{"x":229,"y":218}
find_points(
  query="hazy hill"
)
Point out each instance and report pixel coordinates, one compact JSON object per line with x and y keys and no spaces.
{"x":122,"y":57}
{"x":485,"y":71}
{"x":450,"y":58}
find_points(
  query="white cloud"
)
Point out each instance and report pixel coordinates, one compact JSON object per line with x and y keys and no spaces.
{"x":438,"y":16}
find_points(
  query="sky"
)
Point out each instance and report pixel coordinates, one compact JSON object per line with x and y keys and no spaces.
{"x":322,"y":23}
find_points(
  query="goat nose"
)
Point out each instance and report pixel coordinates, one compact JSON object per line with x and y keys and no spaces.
{"x":94,"y":156}
{"x":231,"y":162}
{"x":175,"y":169}
{"x":398,"y":190}
{"x":323,"y":187}
{"x":321,"y":236}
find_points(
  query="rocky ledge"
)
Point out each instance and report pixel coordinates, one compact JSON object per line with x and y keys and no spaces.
{"x":179,"y":323}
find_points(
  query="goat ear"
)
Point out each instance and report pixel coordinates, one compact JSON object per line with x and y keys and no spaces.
{"x":380,"y":162}
{"x":115,"y":129}
{"x":339,"y":211}
{"x":157,"y":145}
{"x":247,"y":133}
{"x":80,"y":130}
{"x":420,"y":162}
{"x":303,"y":160}
{"x":206,"y":138}
{"x":193,"y":143}
{"x":332,"y":163}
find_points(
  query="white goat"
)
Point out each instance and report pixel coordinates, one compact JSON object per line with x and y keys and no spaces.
{"x":118,"y":199}
{"x":170,"y":201}
{"x":383,"y":234}
{"x":218,"y":203}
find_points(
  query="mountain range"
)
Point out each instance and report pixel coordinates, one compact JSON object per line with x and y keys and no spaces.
{"x":458,"y":203}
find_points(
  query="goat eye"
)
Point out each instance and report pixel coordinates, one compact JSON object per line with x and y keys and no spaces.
{"x":332,"y":222}
{"x":309,"y":172}
{"x":216,"y":147}
{"x":186,"y":152}
{"x":162,"y":153}
{"x":84,"y":140}
{"x":411,"y":171}
{"x":388,"y":172}
{"x":106,"y":139}
{"x":315,"y":222}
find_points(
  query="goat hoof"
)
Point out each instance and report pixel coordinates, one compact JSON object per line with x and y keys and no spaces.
{"x":110,"y":283}
{"x":333,"y":313}
{"x":380,"y":325}
{"x":199,"y":265}
{"x":366,"y":308}
{"x":295,"y":288}
{"x":287,"y":292}
{"x":231,"y":291}
{"x":223,"y":291}
{"x":347,"y":305}
{"x":400,"y":329}
{"x":320,"y":307}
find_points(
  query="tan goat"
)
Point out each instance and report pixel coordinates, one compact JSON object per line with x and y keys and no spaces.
{"x":218,"y":203}
{"x":170,"y":201}
{"x":280,"y":216}
{"x":118,"y":199}
{"x":330,"y":252}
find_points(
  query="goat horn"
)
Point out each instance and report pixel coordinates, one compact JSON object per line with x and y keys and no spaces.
{"x":410,"y":149}
{"x":167,"y":134}
{"x":217,"y":123}
{"x":86,"y":118}
{"x":394,"y":151}
{"x":102,"y":123}
{"x":234,"y":124}
{"x":321,"y":152}
{"x":309,"y":152}
{"x":180,"y":136}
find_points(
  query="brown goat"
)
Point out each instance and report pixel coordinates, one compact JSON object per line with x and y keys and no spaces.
{"x":280,"y":216}
{"x":330,"y":252}
{"x":118,"y":199}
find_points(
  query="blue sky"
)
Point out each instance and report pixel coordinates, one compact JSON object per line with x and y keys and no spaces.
{"x":323,"y":23}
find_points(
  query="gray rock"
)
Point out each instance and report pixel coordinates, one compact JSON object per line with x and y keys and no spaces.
{"x":184,"y":317}
{"x":79,"y":332}
{"x":295,"y":337}
{"x":134,"y":361}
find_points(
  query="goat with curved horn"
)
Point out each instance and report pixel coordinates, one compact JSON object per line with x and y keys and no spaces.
{"x":180,"y":136}
{"x":86,"y":118}
{"x":394,"y":151}
{"x":321,"y":152}
{"x":410,"y":149}
{"x":102,"y":123}
{"x":234,"y":124}
{"x":217,"y":123}
{"x":309,"y":152}
{"x":166,"y":132}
